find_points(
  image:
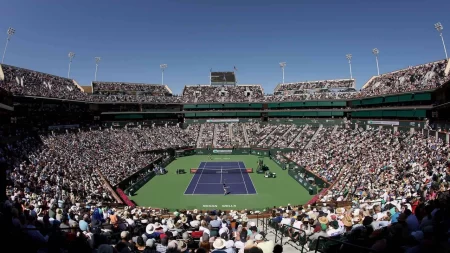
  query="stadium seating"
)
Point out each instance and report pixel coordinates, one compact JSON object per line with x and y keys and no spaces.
{"x":31,"y":83}
{"x":388,"y":174}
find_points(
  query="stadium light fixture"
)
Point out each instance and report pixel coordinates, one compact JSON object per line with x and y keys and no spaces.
{"x":10,"y":33}
{"x":282,"y":65}
{"x":375,"y":52}
{"x":163,"y":67}
{"x":71,"y":56}
{"x":439,"y":28}
{"x":97,"y":61}
{"x":349,"y":58}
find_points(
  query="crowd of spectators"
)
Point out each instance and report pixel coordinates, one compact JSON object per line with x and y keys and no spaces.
{"x":375,"y":164}
{"x":100,"y":228}
{"x":203,"y":93}
{"x":72,"y":165}
{"x":289,"y":136}
{"x":409,"y":224}
{"x":238,"y":137}
{"x":107,"y":88}
{"x":275,"y":135}
{"x":206,"y":135}
{"x":310,"y":85}
{"x":27,"y":82}
{"x":222,"y":137}
{"x":31,"y":83}
{"x":303,"y":137}
{"x":422,"y":77}
{"x":393,"y":180}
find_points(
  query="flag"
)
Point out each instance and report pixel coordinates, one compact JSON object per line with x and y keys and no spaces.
{"x":210,"y":70}
{"x":235,"y":69}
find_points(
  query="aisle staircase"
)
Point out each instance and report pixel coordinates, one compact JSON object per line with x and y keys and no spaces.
{"x":288,"y":131}
{"x":278,"y":237}
{"x":244,"y":128}
{"x":267,"y":136}
{"x":291,"y":145}
{"x":335,"y":129}
{"x":230,"y":131}
{"x":200,"y":134}
{"x":314,"y":136}
{"x":215,"y":132}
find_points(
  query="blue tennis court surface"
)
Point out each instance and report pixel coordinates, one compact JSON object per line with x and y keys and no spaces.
{"x":210,"y":176}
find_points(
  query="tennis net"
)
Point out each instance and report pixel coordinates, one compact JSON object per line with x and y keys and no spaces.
{"x":221,"y":171}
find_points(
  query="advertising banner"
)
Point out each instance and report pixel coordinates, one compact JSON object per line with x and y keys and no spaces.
{"x":222,"y":151}
{"x":222,"y":120}
{"x":381,"y":122}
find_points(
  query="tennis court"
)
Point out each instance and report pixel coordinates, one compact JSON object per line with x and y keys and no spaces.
{"x":209,"y":178}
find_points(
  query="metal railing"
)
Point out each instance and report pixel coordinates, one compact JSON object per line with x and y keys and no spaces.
{"x":285,"y":234}
{"x":331,"y":245}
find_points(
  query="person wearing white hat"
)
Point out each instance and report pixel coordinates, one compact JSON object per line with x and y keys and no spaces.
{"x":265,"y":246}
{"x":219,"y":245}
{"x":195,"y":223}
{"x":223,"y":229}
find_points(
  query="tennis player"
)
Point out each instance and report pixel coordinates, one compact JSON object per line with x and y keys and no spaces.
{"x":210,"y":158}
{"x":225,"y":189}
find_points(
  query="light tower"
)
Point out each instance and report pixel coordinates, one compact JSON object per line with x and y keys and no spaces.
{"x":163,"y":67}
{"x":439,"y":28}
{"x":375,"y":52}
{"x":71,"y":56}
{"x":349,"y":58}
{"x":282,"y":65}
{"x":97,"y":61}
{"x":10,"y":33}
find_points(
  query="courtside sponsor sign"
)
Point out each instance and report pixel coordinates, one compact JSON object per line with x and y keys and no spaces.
{"x":381,"y":122}
{"x":221,"y":120}
{"x":222,"y":151}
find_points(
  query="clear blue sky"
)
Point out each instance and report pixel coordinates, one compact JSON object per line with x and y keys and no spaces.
{"x":134,"y":37}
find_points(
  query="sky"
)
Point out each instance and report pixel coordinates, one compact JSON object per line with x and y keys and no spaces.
{"x":193,"y":36}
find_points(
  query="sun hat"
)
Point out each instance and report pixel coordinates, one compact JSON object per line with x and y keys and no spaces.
{"x":172,"y":245}
{"x":259,"y":237}
{"x":182,"y":246}
{"x":124,"y":234}
{"x":323,"y":220}
{"x":219,"y":243}
{"x":347,"y":222}
{"x":150,"y":229}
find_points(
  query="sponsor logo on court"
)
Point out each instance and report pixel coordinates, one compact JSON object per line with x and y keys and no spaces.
{"x":219,"y":206}
{"x":222,"y":151}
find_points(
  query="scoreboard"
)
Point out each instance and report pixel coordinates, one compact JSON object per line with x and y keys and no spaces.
{"x":223,"y":78}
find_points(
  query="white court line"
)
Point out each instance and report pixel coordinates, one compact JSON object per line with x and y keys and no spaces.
{"x":218,"y":166}
{"x":243,"y":179}
{"x":220,"y":194}
{"x":198,"y":180}
{"x":221,"y":183}
{"x":221,"y":175}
